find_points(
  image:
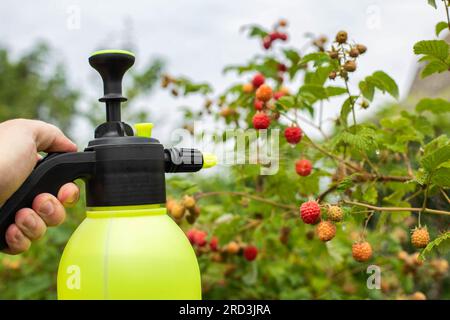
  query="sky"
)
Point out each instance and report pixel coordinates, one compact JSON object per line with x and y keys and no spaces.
{"x":197,"y":38}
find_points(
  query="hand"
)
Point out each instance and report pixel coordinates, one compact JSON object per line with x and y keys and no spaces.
{"x":20,"y":142}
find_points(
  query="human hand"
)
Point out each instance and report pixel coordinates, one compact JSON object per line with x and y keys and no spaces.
{"x":20,"y":142}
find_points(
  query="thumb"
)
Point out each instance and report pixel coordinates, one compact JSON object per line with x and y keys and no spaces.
{"x":49,"y":138}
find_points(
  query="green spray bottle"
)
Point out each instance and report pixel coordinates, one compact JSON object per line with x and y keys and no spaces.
{"x":127,"y":247}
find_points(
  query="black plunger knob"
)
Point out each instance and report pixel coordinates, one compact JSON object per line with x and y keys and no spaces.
{"x":112,"y":65}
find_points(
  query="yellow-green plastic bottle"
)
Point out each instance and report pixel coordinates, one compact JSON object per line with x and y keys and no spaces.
{"x":131,"y":252}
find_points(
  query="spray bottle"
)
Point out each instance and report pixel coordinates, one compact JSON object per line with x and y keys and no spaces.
{"x":127,"y":247}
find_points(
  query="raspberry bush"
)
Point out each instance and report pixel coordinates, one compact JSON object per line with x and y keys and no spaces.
{"x":369,"y":191}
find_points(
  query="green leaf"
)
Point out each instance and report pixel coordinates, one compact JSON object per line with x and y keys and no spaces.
{"x":319,"y":92}
{"x":367,"y":90}
{"x":441,"y":177}
{"x":255,"y":31}
{"x":436,"y":143}
{"x":432,"y":3}
{"x":286,"y":102}
{"x":435,"y":106}
{"x":319,"y":58}
{"x":388,"y":84}
{"x":435,"y":48}
{"x":437,"y":157}
{"x":335,"y":91}
{"x":380,"y":80}
{"x":346,"y":109}
{"x":442,"y":240}
{"x":347,"y":182}
{"x":435,"y":66}
{"x":292,"y":56}
{"x":363,"y":139}
{"x":442,"y":25}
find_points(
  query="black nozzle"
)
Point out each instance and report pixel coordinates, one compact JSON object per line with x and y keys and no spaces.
{"x":112,"y":65}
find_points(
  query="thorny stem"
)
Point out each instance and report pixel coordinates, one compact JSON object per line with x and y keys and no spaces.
{"x":408,"y":164}
{"x":394,"y":209}
{"x":425,"y":196}
{"x":352,"y":102}
{"x":295,"y":208}
{"x":315,"y":146}
{"x":245,"y":195}
{"x":365,"y":224}
{"x":415,"y":194}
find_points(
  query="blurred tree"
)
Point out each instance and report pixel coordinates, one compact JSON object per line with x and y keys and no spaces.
{"x":30,"y":87}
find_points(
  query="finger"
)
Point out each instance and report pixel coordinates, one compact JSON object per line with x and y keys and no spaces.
{"x":16,"y":240}
{"x":69,"y":194}
{"x":49,"y":209}
{"x":49,"y":138}
{"x":31,"y":225}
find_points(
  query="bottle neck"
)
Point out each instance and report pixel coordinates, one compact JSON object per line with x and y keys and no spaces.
{"x":126,"y":211}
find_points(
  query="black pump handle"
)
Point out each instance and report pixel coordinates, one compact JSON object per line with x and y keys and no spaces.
{"x":49,"y":175}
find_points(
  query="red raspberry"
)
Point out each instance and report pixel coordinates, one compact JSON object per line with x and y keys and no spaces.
{"x":277,"y":95}
{"x":293,"y":135}
{"x":283,"y":36}
{"x":261,"y":121}
{"x":310,"y":212}
{"x":258,"y":104}
{"x":274,"y":36}
{"x":214,"y":243}
{"x":303,"y":167}
{"x":282,"y":67}
{"x":258,"y":80}
{"x":267,"y":43}
{"x":200,"y":238}
{"x":191,"y":235}
{"x":250,"y":253}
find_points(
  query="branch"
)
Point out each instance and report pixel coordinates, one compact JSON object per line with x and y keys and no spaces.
{"x":246,"y":195}
{"x":434,"y":211}
{"x":362,"y":179}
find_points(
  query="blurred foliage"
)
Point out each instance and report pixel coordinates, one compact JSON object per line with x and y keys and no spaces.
{"x":33,"y":87}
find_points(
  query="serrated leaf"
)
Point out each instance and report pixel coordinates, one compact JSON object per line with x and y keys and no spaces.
{"x":442,"y":25}
{"x":439,"y":241}
{"x":435,"y":66}
{"x":388,"y":84}
{"x":363,"y":139}
{"x":346,"y":183}
{"x":431,"y":161}
{"x":436,"y":48}
{"x":433,"y":105}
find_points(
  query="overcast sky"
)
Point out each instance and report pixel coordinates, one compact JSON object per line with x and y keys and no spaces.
{"x":198,"y":37}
